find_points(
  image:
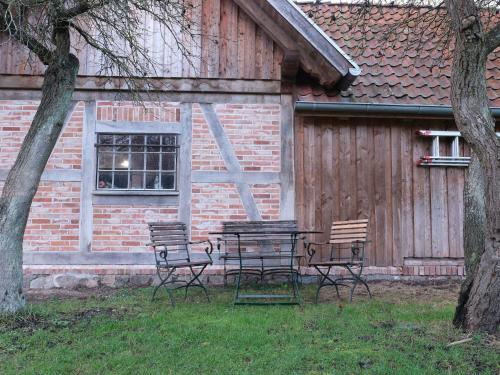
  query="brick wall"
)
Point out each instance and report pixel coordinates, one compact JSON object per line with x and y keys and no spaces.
{"x":15,"y":120}
{"x":124,"y":228}
{"x":252,"y":129}
{"x":53,"y":223}
{"x":214,"y":203}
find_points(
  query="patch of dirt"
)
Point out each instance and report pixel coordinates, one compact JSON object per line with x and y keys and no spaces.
{"x":400,"y":291}
{"x":391,"y":291}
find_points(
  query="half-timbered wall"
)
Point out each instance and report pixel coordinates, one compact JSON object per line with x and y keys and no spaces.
{"x":231,"y":167}
{"x":227,"y":44}
{"x":349,"y":168}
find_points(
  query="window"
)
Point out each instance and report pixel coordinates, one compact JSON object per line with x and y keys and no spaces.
{"x":137,"y":162}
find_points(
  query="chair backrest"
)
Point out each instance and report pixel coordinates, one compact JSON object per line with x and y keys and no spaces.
{"x":343,"y":232}
{"x":263,"y":233}
{"x":171,"y":241}
{"x":348,"y":239}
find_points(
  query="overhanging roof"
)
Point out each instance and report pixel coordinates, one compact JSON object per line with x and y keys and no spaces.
{"x":302,"y":40}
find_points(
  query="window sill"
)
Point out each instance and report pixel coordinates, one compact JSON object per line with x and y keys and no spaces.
{"x":138,"y":193}
{"x":136,"y":198}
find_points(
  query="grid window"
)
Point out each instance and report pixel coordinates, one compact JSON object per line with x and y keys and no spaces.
{"x":136,"y":161}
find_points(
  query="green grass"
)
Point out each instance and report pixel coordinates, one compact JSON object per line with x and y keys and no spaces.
{"x":124,"y":333}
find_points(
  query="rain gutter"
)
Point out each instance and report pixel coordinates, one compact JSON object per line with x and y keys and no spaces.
{"x":360,"y":109}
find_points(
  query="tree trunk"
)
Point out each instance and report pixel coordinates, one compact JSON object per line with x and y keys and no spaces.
{"x":479,"y":309}
{"x":23,"y":179}
{"x":474,"y":233}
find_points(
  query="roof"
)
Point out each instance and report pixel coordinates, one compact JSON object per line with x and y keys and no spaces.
{"x":399,"y":74}
{"x":302,"y":39}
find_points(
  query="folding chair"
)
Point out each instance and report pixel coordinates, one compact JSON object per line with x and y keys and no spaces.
{"x":172,"y":249}
{"x":347,"y":250}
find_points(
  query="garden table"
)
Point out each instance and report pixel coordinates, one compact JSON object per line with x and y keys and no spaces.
{"x":278,"y":240}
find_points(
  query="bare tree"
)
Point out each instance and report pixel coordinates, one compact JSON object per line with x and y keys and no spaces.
{"x":52,"y":30}
{"x":466,"y":32}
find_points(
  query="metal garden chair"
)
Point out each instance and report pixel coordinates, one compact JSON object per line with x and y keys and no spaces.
{"x":347,"y":250}
{"x":172,"y":249}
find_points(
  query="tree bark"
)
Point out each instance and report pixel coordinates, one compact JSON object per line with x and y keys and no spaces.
{"x":23,"y":179}
{"x":479,"y":309}
{"x":474,"y":233}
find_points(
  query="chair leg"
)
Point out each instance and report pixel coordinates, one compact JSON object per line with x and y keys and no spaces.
{"x":325,"y":280}
{"x":164,"y":282}
{"x":225,"y":274}
{"x":357,"y":279}
{"x":196,"y":279}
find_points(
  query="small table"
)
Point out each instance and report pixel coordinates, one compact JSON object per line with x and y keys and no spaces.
{"x":264,"y":235}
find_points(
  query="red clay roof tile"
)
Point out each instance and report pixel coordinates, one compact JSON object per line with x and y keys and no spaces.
{"x":394,"y":72}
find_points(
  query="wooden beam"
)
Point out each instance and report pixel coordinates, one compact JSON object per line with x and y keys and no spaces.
{"x":185,"y":97}
{"x":88,"y":176}
{"x":230,"y":160}
{"x":172,"y":85}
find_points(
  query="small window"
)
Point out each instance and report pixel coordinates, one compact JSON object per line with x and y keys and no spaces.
{"x":137,"y":162}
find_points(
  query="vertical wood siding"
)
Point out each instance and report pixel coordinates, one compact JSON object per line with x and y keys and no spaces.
{"x":365,"y":168}
{"x":227,"y":44}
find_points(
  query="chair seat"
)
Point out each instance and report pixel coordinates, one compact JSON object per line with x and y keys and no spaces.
{"x":336,"y":263}
{"x":187,"y":264}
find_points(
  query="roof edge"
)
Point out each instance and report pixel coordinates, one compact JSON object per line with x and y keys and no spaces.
{"x":356,"y":70}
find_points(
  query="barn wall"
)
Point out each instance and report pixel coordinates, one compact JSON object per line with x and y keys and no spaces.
{"x":228,"y":44}
{"x":366,"y":168}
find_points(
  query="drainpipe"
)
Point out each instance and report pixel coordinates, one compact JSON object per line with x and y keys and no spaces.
{"x":380,"y":109}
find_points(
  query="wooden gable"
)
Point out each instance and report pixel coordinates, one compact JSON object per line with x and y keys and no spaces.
{"x":236,"y":39}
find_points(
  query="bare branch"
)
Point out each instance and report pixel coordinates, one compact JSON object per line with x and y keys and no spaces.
{"x":82,"y":7}
{"x":493,"y":38}
{"x":16,"y":31}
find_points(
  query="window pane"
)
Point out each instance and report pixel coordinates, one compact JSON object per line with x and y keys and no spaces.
{"x":105,"y":139}
{"x":152,"y":181}
{"x":105,"y":160}
{"x":167,"y":181}
{"x":136,"y":180}
{"x":137,"y":161}
{"x":137,"y":139}
{"x":153,"y":140}
{"x":122,"y":140}
{"x":153,"y":162}
{"x":168,"y":162}
{"x":121,"y":180}
{"x":104,"y":180}
{"x":168,"y":140}
{"x":121,"y":161}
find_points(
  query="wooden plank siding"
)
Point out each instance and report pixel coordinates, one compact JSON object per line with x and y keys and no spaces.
{"x":356,"y":168}
{"x":230,"y":46}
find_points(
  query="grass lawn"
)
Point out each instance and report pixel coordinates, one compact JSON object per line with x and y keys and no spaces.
{"x":403,"y":330}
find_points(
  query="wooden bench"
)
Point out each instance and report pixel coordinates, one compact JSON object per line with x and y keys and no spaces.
{"x":172,"y":249}
{"x":260,"y":248}
{"x":347,"y":250}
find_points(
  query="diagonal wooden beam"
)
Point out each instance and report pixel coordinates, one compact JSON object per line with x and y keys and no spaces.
{"x":231,"y":161}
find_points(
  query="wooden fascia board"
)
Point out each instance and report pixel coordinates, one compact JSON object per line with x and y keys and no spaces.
{"x":314,"y":35}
